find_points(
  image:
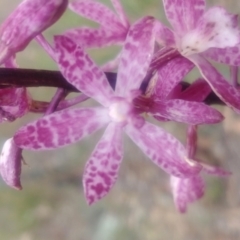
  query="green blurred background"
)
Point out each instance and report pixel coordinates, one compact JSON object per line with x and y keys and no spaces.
{"x":140,"y":206}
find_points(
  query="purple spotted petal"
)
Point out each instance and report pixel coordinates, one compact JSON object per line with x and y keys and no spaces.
{"x":184,"y":14}
{"x":164,"y":35}
{"x":186,"y":190}
{"x":216,"y":29}
{"x":77,"y":67}
{"x":28,"y":20}
{"x":229,"y":56}
{"x":101,"y":170}
{"x":91,"y":38}
{"x":134,"y":63}
{"x":119,"y":9}
{"x":197,"y":91}
{"x":225,"y":91}
{"x":163,"y":149}
{"x":61,"y":128}
{"x":97,"y":12}
{"x":170,"y":75}
{"x":186,"y":111}
{"x":10,"y":164}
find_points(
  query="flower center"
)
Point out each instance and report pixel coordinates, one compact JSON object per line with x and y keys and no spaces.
{"x":120,"y":110}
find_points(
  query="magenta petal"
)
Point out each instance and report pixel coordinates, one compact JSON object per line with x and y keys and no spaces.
{"x":225,"y":91}
{"x":15,"y":103}
{"x":229,"y":56}
{"x":164,"y":35}
{"x":136,"y":56}
{"x":102,"y":168}
{"x":184,"y":14}
{"x":186,"y":190}
{"x":197,"y":91}
{"x":216,"y":29}
{"x":92,"y":38}
{"x":119,"y":9}
{"x":10,"y":164}
{"x":217,"y":171}
{"x":163,"y":149}
{"x":80,"y":71}
{"x":61,"y":128}
{"x":191,"y":145}
{"x":187,"y":112}
{"x":28,"y":20}
{"x":97,"y":12}
{"x":170,"y":75}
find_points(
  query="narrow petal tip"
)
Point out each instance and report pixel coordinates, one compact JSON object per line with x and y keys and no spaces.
{"x":10,"y":164}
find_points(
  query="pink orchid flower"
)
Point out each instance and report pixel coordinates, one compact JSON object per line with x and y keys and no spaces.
{"x":188,"y":190}
{"x":117,"y":113}
{"x":28,"y":20}
{"x":200,"y":33}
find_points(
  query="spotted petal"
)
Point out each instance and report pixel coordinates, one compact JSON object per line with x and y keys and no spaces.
{"x":225,"y":91}
{"x":216,"y":29}
{"x":80,"y":71}
{"x":61,"y":128}
{"x":10,"y":164}
{"x":92,"y":38}
{"x":183,"y":14}
{"x":101,"y":170}
{"x":186,"y":190}
{"x":163,"y":149}
{"x":98,"y":13}
{"x":229,"y":56}
{"x":170,"y":75}
{"x":136,"y":56}
{"x":186,"y":111}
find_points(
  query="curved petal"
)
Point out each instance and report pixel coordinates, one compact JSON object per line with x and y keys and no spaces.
{"x":101,"y":170}
{"x":92,"y":38}
{"x":217,"y":28}
{"x":11,"y":163}
{"x":229,"y":56}
{"x":225,"y":91}
{"x":77,"y":67}
{"x":119,"y":9}
{"x":186,"y":190}
{"x":97,"y":12}
{"x":136,"y":56}
{"x":186,"y":111}
{"x":170,"y":75}
{"x":183,"y":14}
{"x":164,"y":35}
{"x":197,"y":91}
{"x":163,"y":149}
{"x":61,"y":128}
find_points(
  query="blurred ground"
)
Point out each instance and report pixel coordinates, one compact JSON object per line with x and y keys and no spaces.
{"x":140,"y":207}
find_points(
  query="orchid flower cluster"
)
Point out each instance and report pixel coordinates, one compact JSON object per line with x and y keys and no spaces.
{"x":151,"y":68}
